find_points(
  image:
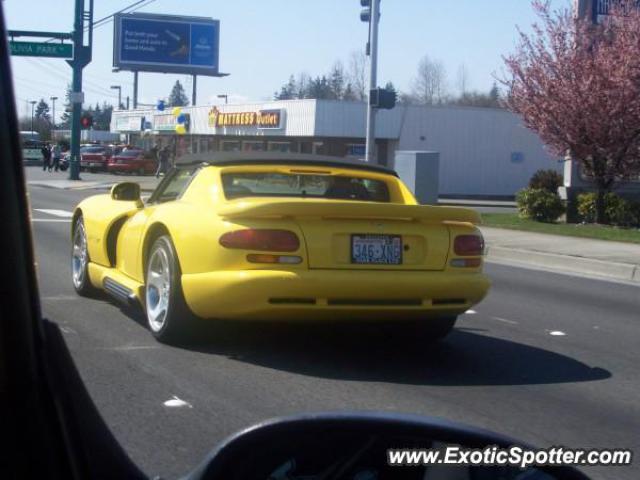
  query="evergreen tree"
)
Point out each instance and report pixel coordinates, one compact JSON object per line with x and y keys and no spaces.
{"x":319,"y":88}
{"x":336,"y":81}
{"x":288,"y":91}
{"x":65,"y":118}
{"x":42,"y":111}
{"x":349,"y":93}
{"x":178,"y":97}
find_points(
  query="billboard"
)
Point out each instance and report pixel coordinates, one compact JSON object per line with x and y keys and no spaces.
{"x":166,"y":44}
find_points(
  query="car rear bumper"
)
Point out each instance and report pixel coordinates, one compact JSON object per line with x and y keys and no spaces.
{"x":96,"y":165}
{"x":332,"y":294}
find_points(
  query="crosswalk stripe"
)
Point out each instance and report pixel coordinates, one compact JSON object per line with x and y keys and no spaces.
{"x":54,"y":212}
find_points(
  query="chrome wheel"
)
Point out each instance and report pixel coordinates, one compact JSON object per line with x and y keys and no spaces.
{"x":79,"y":256}
{"x":158,"y":289}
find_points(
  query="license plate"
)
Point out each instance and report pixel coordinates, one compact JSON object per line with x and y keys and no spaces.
{"x":376,"y":249}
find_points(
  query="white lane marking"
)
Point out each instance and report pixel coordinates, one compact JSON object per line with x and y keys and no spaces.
{"x":55,"y":212}
{"x":50,"y":220}
{"x":54,"y":298}
{"x":67,"y":330}
{"x":505,"y":320}
{"x":124,"y":348}
{"x":176,"y":402}
{"x":470,"y":312}
{"x":556,"y":333}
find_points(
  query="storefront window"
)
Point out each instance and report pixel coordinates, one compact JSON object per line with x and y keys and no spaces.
{"x":253,"y":146}
{"x":283,"y":147}
{"x":230,"y":146}
{"x":356,"y":150}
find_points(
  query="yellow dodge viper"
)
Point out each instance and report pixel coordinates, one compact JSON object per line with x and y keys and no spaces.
{"x":279,"y":237}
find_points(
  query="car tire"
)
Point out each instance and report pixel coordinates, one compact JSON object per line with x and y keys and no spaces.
{"x":80,"y":260}
{"x":168,"y":316}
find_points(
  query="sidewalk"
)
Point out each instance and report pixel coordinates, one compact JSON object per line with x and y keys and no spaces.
{"x":582,"y":256}
{"x":38,"y":177}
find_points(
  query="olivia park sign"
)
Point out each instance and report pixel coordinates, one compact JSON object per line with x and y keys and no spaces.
{"x":41,"y":49}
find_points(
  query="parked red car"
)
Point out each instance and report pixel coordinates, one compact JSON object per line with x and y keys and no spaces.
{"x":131,"y":160}
{"x":94,"y":157}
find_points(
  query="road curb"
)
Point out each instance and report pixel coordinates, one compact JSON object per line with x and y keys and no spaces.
{"x":565,"y":263}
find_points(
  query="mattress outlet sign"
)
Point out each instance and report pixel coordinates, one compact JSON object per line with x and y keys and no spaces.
{"x":262,"y":119}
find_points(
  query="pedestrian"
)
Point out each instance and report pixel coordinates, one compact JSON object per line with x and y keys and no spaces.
{"x":163,"y":161}
{"x":56,"y":154}
{"x":46,"y":156}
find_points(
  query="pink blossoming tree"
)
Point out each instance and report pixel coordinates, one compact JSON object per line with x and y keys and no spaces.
{"x":578,"y":86}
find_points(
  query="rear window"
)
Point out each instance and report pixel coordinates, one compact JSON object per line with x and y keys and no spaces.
{"x":92,"y":150}
{"x":340,"y":187}
{"x":130,"y":153}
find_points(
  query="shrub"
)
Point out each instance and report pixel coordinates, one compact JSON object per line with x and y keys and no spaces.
{"x":539,"y":204}
{"x":587,"y":207}
{"x":548,"y":180}
{"x":617,"y":210}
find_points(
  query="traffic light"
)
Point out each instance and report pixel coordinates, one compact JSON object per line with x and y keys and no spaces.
{"x":383,"y":98}
{"x":365,"y":14}
{"x":86,"y":121}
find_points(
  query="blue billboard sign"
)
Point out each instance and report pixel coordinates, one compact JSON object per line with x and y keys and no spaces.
{"x":167,"y":44}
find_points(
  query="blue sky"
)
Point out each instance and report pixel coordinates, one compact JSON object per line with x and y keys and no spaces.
{"x":263,"y":42}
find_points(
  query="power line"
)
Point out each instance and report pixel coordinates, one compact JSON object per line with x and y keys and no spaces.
{"x":109,"y":18}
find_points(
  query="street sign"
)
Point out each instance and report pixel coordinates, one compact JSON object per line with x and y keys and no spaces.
{"x":41,"y":49}
{"x":166,"y":44}
{"x":76,"y":97}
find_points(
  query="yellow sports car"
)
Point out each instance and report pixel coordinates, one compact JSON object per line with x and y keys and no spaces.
{"x":279,"y":237}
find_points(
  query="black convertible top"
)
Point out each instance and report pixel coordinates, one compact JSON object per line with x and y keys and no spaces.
{"x":279,"y":158}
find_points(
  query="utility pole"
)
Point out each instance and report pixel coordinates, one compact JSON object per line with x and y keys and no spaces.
{"x":119,"y":88}
{"x":127,"y":102}
{"x":226,"y":98}
{"x":53,"y":108}
{"x":33,"y":103}
{"x":193,"y":92}
{"x":135,"y":90}
{"x":372,"y":15}
{"x":81,"y":58}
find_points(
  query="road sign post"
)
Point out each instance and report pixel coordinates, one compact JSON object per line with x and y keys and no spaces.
{"x":80,"y":60}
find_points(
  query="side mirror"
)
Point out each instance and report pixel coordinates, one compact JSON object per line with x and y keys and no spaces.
{"x":361,"y":446}
{"x":126,"y":191}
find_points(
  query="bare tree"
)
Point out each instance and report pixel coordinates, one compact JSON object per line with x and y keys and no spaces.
{"x":463,"y":80}
{"x":337,"y":80}
{"x":357,"y":74}
{"x":430,"y":84}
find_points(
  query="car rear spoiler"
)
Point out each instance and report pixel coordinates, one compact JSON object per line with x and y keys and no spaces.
{"x":329,"y":209}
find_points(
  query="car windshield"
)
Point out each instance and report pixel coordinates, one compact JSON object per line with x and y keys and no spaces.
{"x":343,"y":187}
{"x":92,"y":150}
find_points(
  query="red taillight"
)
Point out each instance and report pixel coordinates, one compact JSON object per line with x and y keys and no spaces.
{"x":263,"y":240}
{"x":468,"y":245}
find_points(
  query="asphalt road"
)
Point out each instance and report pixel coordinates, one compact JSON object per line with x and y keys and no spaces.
{"x":551,"y":359}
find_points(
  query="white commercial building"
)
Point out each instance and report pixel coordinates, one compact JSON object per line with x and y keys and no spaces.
{"x":484,"y":152}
